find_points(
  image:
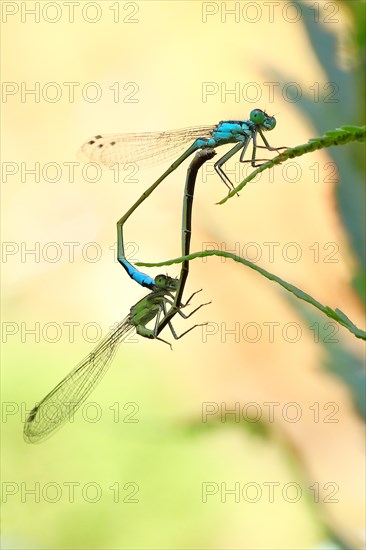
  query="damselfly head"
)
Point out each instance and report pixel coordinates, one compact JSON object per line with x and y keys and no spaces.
{"x":164,"y":282}
{"x":260,"y":118}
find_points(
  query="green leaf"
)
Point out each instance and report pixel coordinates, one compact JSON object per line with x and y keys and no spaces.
{"x":338,"y":136}
{"x":335,"y":314}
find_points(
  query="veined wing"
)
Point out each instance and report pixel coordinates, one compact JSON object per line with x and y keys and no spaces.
{"x":145,"y":149}
{"x":61,"y":403}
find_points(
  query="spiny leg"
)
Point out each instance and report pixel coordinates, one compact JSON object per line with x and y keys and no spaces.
{"x":189,"y":330}
{"x":218,"y":165}
{"x":172,"y":330}
{"x":178,"y":309}
{"x":253,"y":161}
{"x":266,"y":144}
{"x":180,"y":312}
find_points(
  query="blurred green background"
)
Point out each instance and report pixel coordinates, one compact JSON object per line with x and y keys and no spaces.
{"x":139,"y":468}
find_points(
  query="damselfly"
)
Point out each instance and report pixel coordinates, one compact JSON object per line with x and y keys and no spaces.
{"x":63,"y":401}
{"x":149,"y":148}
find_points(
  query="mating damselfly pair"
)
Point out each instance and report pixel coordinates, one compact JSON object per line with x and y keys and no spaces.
{"x":160,"y":305}
{"x":144,"y":149}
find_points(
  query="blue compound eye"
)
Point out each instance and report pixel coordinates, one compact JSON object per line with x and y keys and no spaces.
{"x":257,"y":116}
{"x":270,"y":122}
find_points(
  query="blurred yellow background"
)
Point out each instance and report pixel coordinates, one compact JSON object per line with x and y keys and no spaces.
{"x":165,"y":480}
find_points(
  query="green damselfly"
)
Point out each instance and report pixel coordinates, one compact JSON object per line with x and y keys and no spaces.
{"x":60,"y":405}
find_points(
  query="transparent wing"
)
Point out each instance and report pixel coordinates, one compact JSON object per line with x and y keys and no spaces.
{"x":61,"y":403}
{"x":145,"y":149}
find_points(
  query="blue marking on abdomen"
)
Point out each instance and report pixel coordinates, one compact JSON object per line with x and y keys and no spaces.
{"x":140,"y":278}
